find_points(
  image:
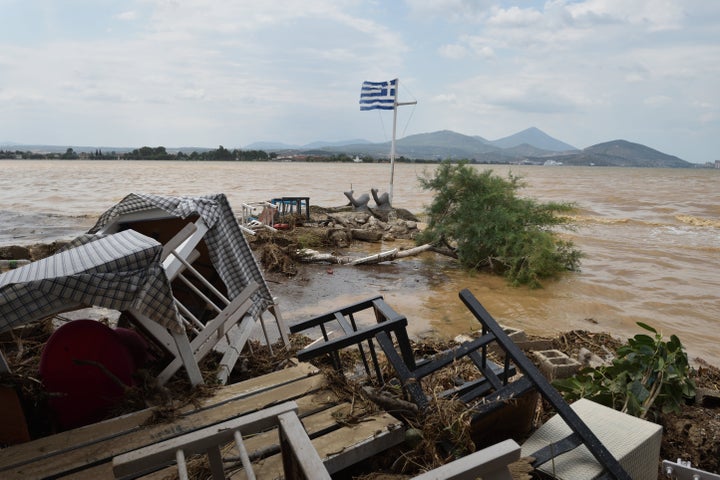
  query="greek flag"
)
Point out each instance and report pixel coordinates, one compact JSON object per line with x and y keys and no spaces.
{"x":378,"y":95}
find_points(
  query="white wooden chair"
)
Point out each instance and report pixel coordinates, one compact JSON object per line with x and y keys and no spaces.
{"x":230,"y":322}
{"x":223,"y":262}
{"x":300,"y":460}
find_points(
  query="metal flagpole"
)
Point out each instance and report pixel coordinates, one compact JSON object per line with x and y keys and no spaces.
{"x":392,"y":145}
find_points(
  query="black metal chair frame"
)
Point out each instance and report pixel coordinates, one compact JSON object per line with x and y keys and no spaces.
{"x":399,"y":351}
{"x":493,"y":386}
{"x":388,"y":322}
{"x":533,"y":379}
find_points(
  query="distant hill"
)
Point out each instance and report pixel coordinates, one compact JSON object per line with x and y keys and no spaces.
{"x":446,"y":144}
{"x":533,"y":137}
{"x":620,"y":153}
{"x":270,"y":146}
{"x":530,"y":146}
{"x":279,"y":146}
{"x":322,"y":144}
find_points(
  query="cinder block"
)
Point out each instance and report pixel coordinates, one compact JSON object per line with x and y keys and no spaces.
{"x":707,"y":398}
{"x":515,"y":334}
{"x":554,"y":364}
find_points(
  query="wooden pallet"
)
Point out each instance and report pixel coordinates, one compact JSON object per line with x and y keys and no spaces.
{"x":87,"y":452}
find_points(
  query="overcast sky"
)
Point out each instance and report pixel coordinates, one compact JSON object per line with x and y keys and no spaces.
{"x":227,"y":72}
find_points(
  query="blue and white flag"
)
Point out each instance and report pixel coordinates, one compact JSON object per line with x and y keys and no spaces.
{"x":378,"y":95}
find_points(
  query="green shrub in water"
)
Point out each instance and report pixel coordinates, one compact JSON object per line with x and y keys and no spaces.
{"x":482,"y":220}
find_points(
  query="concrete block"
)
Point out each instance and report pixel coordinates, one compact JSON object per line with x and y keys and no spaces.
{"x":707,"y":398}
{"x":554,"y":364}
{"x":515,"y":334}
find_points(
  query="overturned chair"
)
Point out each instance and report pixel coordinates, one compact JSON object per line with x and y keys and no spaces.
{"x":497,"y":386}
{"x":217,"y":286}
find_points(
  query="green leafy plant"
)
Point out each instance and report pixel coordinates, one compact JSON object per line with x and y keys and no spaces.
{"x":647,"y":372}
{"x":480,"y":218}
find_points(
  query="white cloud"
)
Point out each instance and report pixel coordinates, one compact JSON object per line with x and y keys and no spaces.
{"x":658,"y":100}
{"x":652,"y":15}
{"x":454,"y":52}
{"x":515,"y":17}
{"x":127,"y":16}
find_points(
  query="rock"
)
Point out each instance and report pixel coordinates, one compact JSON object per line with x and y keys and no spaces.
{"x":366,"y":235}
{"x":14,"y":252}
{"x":339,"y":238}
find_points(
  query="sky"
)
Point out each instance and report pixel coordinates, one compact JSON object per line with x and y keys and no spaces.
{"x":204,"y":73}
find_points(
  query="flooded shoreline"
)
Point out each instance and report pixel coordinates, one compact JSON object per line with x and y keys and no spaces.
{"x":651,"y":239}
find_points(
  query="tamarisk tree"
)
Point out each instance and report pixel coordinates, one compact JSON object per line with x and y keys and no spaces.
{"x":479,"y":217}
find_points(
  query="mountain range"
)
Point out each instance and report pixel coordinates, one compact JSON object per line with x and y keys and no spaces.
{"x":530,"y":146}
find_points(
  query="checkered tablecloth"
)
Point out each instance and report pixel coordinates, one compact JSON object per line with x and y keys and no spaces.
{"x":121,"y":271}
{"x":229,"y":251}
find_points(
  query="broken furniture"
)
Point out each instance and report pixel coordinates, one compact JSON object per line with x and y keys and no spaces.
{"x":351,"y":332}
{"x":389,"y":332}
{"x":216,"y":282}
{"x":292,"y":206}
{"x":88,"y":452}
{"x":256,"y":215}
{"x":532,"y":379}
{"x":490,"y":393}
{"x":122,"y":271}
{"x":683,"y":470}
{"x":299,"y":458}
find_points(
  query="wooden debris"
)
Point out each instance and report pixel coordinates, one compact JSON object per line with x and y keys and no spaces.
{"x":313,"y":256}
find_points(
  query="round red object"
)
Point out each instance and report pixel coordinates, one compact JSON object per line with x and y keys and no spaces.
{"x":81,"y":367}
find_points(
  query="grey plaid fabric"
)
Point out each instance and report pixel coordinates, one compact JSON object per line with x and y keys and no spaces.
{"x":119,"y":271}
{"x":229,"y":252}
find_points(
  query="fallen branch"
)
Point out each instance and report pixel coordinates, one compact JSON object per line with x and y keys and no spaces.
{"x":377,"y":258}
{"x":311,"y":256}
{"x":308,"y":255}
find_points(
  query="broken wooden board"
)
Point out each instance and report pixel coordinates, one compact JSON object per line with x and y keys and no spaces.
{"x":87,"y":452}
{"x":93,"y":445}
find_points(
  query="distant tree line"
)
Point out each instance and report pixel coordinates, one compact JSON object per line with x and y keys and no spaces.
{"x":219,"y":154}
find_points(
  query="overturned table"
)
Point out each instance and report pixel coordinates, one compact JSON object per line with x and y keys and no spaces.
{"x":122,"y":271}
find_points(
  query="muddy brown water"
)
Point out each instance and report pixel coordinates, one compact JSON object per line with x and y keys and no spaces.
{"x":651,"y":239}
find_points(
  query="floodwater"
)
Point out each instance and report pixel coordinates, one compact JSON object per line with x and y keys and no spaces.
{"x":651,"y":239}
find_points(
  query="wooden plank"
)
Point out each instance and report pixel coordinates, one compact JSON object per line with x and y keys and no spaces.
{"x":343,"y":447}
{"x":490,"y":463}
{"x":103,"y":451}
{"x":299,"y":460}
{"x":67,"y":441}
{"x":368,"y":438}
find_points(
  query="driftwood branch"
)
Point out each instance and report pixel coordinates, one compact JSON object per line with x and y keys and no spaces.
{"x":313,"y":256}
{"x":391,"y":404}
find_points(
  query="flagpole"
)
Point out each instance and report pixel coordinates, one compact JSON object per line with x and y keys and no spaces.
{"x":392,"y":144}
